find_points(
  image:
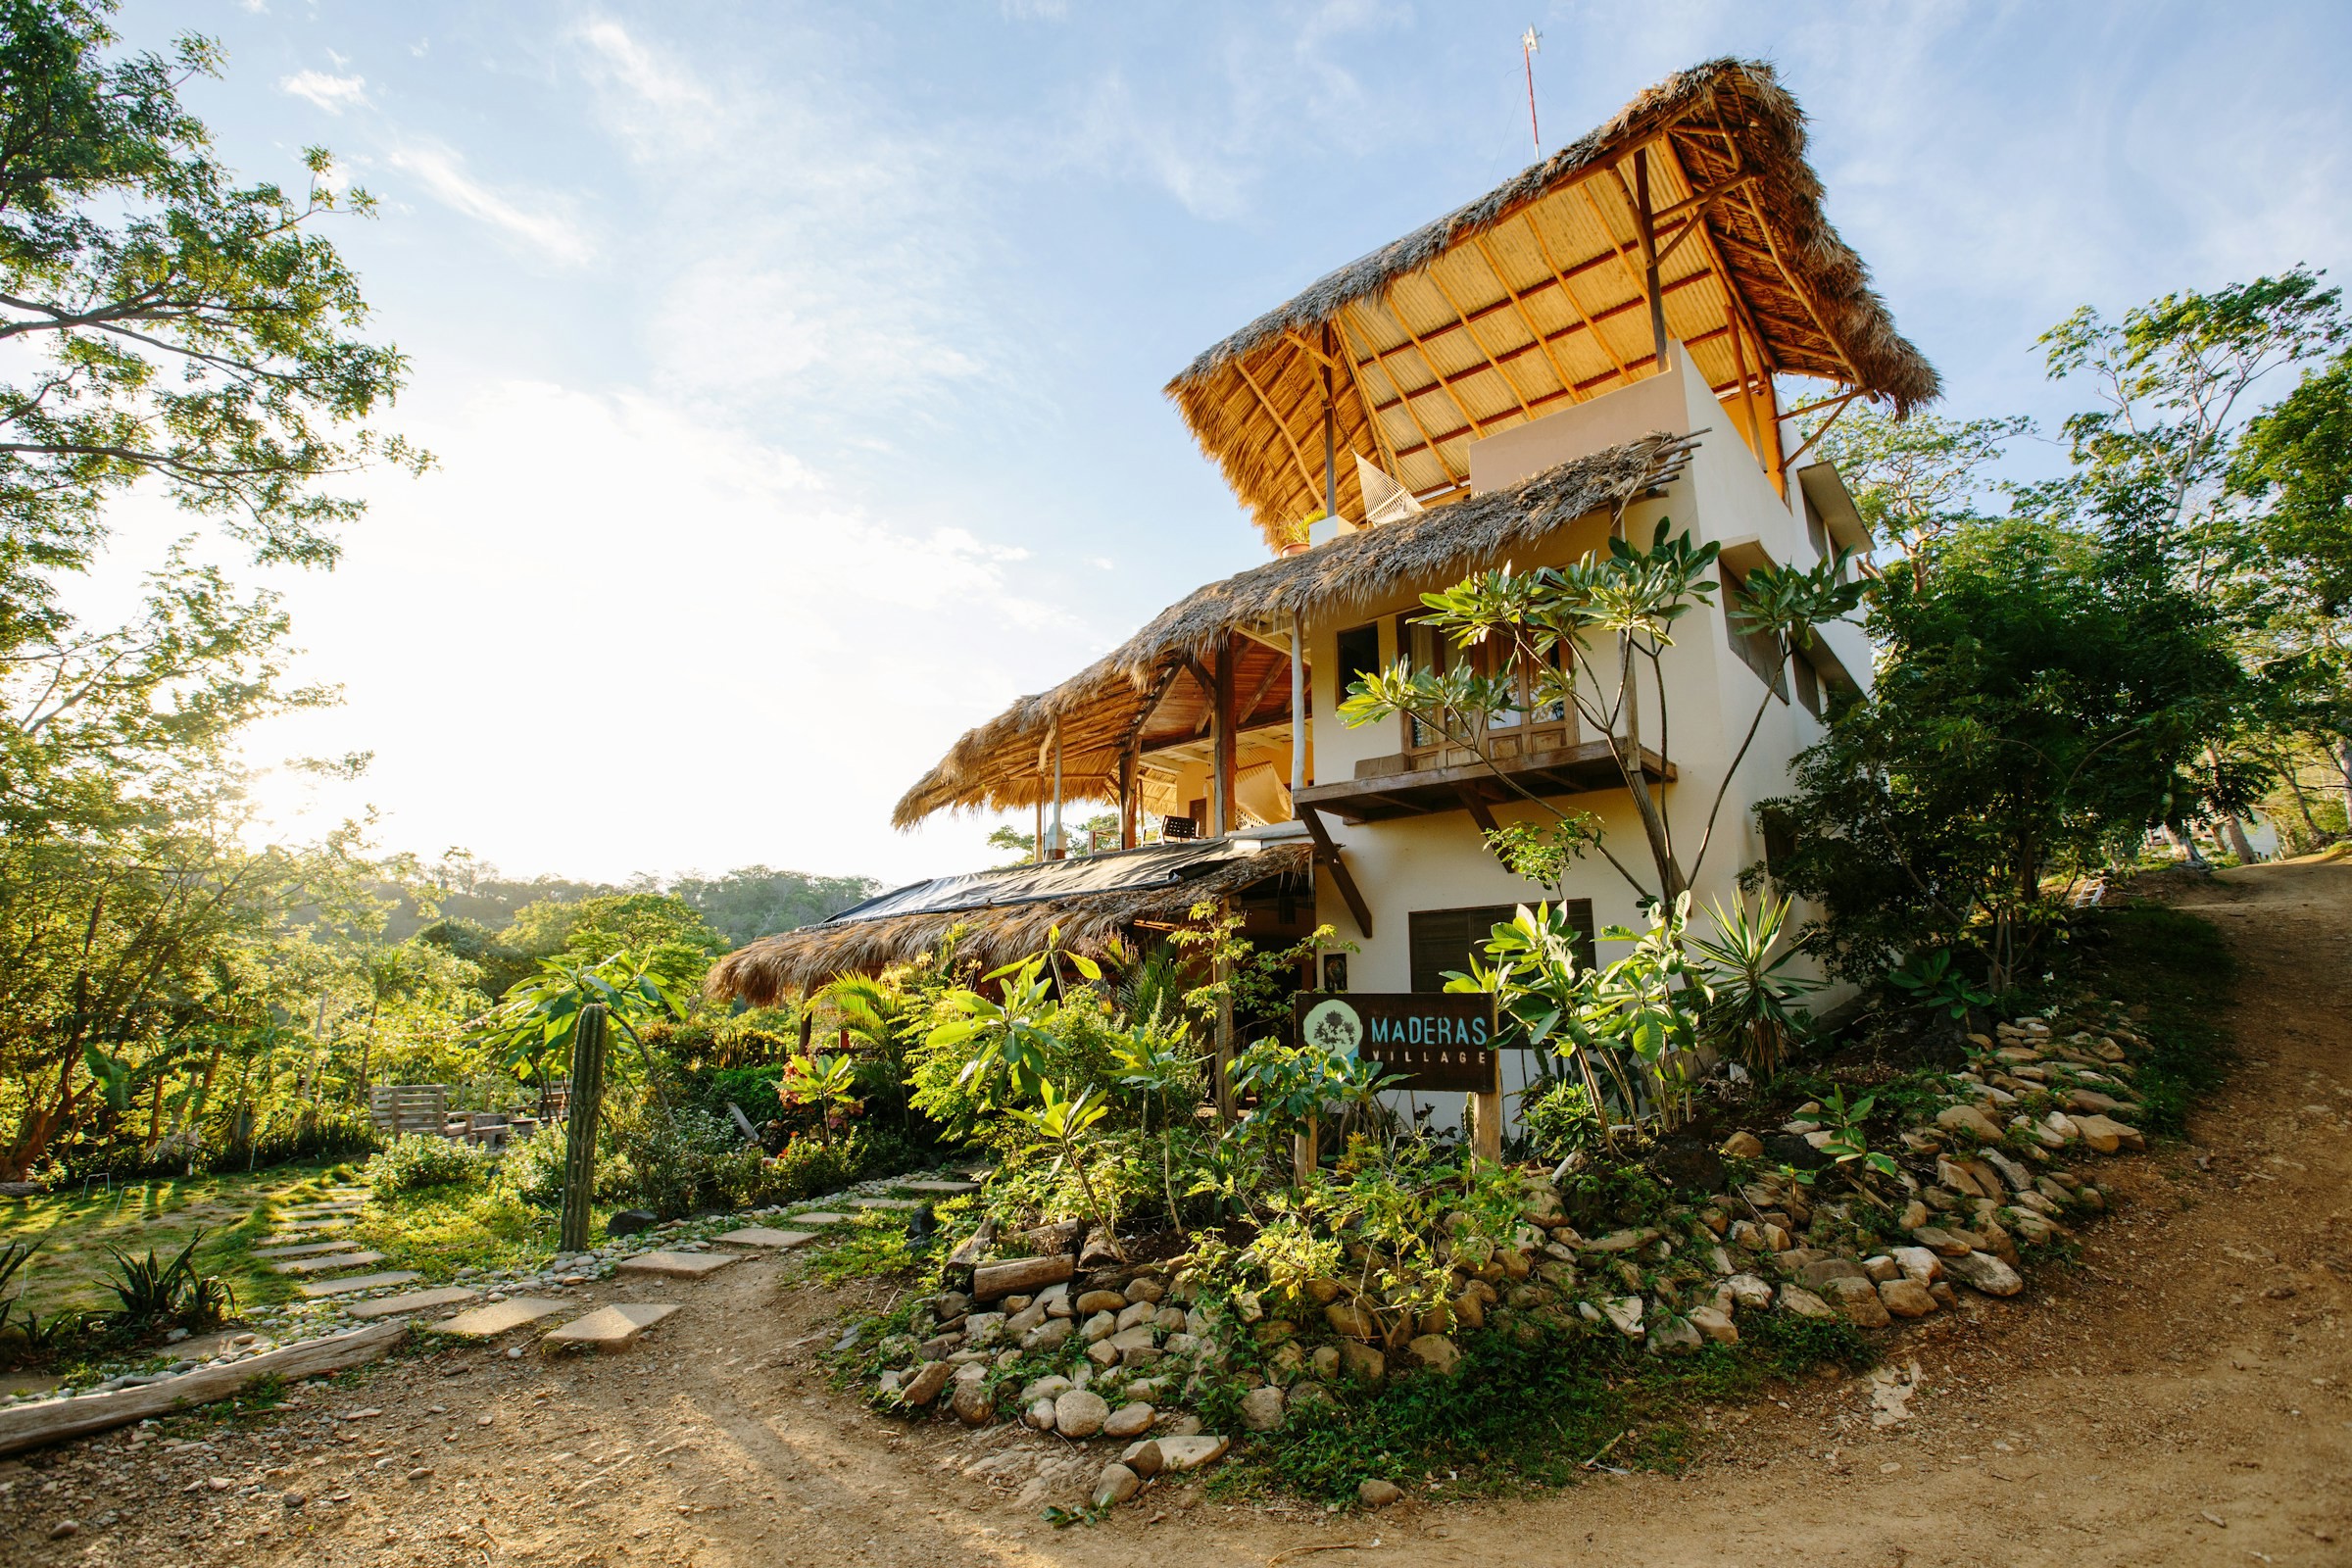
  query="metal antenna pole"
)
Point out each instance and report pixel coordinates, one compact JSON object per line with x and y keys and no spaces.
{"x":1531,"y":44}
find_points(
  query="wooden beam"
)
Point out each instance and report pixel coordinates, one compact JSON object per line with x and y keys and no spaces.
{"x":1241,"y":364}
{"x":1837,"y":412}
{"x":1128,"y":805}
{"x":1568,"y":293}
{"x":1476,"y":806}
{"x":1381,"y":445}
{"x":1220,"y":782}
{"x":1648,"y":224}
{"x":1709,"y":336}
{"x":1672,"y":285}
{"x":1454,"y":305}
{"x":1327,"y":855}
{"x":1397,"y":385}
{"x":1430,"y":363}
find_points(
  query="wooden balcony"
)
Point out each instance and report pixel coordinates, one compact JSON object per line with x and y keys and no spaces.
{"x":1383,"y":789}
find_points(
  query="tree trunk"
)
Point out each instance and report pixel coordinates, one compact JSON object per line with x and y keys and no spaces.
{"x":2343,"y":765}
{"x":2235,"y":831}
{"x":1307,"y":1152}
{"x":583,"y":1114}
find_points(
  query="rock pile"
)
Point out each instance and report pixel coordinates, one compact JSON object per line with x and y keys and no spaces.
{"x":1986,"y":1175}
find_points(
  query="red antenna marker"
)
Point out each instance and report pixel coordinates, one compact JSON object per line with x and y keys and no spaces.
{"x":1531,"y":44}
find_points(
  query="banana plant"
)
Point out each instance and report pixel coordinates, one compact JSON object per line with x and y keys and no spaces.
{"x":1015,"y":1046}
{"x":824,"y":1081}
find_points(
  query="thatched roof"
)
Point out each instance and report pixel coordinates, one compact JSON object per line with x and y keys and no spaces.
{"x":996,"y":917}
{"x":1530,"y":299}
{"x":1008,"y":762}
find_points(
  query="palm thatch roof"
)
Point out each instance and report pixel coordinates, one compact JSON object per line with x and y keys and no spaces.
{"x":1125,"y":696}
{"x":1532,"y":298}
{"x":996,"y":917}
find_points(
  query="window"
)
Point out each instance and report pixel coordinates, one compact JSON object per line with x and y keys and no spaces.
{"x":1442,"y":940}
{"x":1779,"y":842}
{"x":1521,"y":728}
{"x":1759,"y":651}
{"x":1808,"y":684}
{"x":1816,"y":531}
{"x":1359,"y":655}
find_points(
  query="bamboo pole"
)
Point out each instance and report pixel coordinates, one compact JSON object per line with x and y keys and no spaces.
{"x":1650,"y":254}
{"x":579,"y":1139}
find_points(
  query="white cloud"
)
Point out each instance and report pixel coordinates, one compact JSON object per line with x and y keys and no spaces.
{"x":547,"y":231}
{"x":659,"y":641}
{"x":1278,"y":93}
{"x":659,"y":106}
{"x":334,"y":94}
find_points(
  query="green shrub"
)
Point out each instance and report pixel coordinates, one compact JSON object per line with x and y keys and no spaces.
{"x":533,"y":1169}
{"x":1559,"y":1119}
{"x":414,"y":1161}
{"x":681,"y":1161}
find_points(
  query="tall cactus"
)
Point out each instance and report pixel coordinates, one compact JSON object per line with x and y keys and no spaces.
{"x":579,"y":1139}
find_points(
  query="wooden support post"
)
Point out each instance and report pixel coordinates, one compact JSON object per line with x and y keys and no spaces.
{"x":1060,"y":849}
{"x":1485,"y":1124}
{"x":1220,"y":727}
{"x":1327,"y":855}
{"x":1306,"y":1152}
{"x":1223,"y":977}
{"x":1128,"y":804}
{"x":1297,"y":712}
{"x":1649,"y":253}
{"x":579,"y":1136}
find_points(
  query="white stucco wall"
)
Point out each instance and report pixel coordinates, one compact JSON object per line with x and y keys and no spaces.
{"x":1438,"y":862}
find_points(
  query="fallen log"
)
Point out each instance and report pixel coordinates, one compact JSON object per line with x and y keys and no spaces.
{"x":29,"y":1426}
{"x":992,"y":1280}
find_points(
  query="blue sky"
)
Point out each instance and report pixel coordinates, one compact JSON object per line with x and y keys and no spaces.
{"x":795,"y":369}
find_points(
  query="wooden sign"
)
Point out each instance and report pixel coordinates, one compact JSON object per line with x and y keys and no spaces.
{"x":1434,"y":1040}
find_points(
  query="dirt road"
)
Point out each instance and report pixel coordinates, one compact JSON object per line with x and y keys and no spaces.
{"x":2181,"y":1400}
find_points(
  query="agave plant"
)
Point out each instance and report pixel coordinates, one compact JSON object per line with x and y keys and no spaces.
{"x":150,"y":1288}
{"x":1754,"y":1011}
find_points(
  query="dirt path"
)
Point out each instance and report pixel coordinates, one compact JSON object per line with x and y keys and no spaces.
{"x":2182,"y":1399}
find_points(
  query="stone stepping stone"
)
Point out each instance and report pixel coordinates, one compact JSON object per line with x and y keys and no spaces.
{"x":326,"y":1264}
{"x":305,"y":1250}
{"x":886,"y":1202}
{"x":488,"y":1322}
{"x":318,"y":1210}
{"x":608,"y":1328}
{"x":940,"y":1189}
{"x":762,"y":1235}
{"x":819,"y":1217}
{"x":359,"y":1282}
{"x":678,"y":1265}
{"x":413,"y":1302}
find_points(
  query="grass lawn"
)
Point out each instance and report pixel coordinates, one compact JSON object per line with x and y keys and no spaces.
{"x":74,"y":1231}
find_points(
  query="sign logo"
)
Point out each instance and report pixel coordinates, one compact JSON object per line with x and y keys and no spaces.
{"x":1430,"y":1041}
{"x":1333,"y":1025}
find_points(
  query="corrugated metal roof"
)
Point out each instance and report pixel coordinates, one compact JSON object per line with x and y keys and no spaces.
{"x":1151,"y":865}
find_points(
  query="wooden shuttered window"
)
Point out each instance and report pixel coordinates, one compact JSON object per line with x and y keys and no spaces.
{"x":1442,"y":940}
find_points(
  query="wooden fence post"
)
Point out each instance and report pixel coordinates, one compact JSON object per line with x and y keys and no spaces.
{"x":579,"y":1139}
